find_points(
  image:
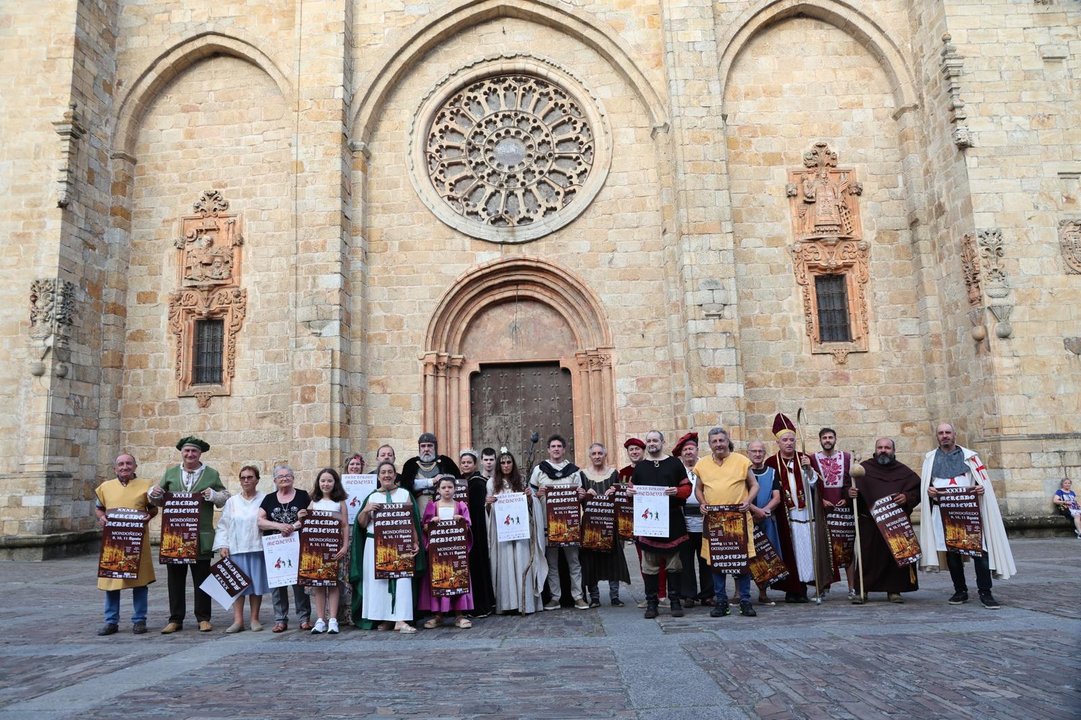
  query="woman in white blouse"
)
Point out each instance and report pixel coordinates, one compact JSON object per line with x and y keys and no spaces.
{"x":239,"y":539}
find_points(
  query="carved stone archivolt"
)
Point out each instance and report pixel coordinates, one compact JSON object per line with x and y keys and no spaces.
{"x":52,"y":316}
{"x":209,"y":254}
{"x":826,"y":224}
{"x":1069,"y":237}
{"x":509,"y":150}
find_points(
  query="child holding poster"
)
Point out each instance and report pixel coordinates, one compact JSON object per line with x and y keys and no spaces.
{"x":329,"y":496}
{"x":445,"y":508}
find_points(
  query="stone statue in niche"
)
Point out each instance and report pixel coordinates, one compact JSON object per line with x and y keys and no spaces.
{"x":824,"y":197}
{"x":210,"y":244}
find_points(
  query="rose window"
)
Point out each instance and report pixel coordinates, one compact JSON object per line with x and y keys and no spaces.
{"x":509,"y":151}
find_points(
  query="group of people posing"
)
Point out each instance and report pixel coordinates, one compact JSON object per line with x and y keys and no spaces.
{"x":788,"y":495}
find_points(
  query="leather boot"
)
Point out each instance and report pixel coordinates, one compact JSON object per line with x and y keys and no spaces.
{"x":673,"y":593}
{"x":652,"y":584}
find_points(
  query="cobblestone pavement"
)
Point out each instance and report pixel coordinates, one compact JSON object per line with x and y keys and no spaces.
{"x":922,"y":659}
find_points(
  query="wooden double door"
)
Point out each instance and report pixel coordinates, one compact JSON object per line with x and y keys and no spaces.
{"x":511,"y":401}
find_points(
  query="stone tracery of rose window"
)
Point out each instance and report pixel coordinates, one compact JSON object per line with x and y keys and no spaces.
{"x":509,"y":150}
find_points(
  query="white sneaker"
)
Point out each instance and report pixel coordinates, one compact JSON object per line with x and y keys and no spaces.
{"x":332,"y":626}
{"x":320,"y":627}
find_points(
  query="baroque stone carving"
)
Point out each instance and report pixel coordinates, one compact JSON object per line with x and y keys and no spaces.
{"x":52,"y":315}
{"x":509,"y":150}
{"x":188,"y":305}
{"x":1069,"y":237}
{"x":70,"y":129}
{"x":209,"y":249}
{"x":952,"y":68}
{"x":970,"y":266}
{"x":823,"y":199}
{"x":210,"y":243}
{"x":991,"y":254}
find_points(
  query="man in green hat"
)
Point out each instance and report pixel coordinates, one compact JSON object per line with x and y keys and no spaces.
{"x":192,"y":476}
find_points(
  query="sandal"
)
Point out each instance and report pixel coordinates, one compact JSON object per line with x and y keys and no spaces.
{"x":432,"y":623}
{"x":387,"y":625}
{"x":405,"y":628}
{"x":280,"y":627}
{"x":463,"y":623}
{"x":306,"y":625}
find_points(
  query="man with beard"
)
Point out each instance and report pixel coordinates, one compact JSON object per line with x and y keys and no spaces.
{"x":662,"y":470}
{"x":420,"y":473}
{"x":804,"y":544}
{"x":480,"y":570}
{"x":559,"y":471}
{"x":636,"y":449}
{"x":951,"y":465}
{"x":833,"y":465}
{"x":883,"y":477}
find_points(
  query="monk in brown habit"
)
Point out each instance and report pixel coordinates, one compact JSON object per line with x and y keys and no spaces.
{"x":883,"y":477}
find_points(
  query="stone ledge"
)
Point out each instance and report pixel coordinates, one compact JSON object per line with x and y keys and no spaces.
{"x":1037,"y":525}
{"x":49,"y":546}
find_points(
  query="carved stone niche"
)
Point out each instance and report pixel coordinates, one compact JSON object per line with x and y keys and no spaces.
{"x":186,"y":307}
{"x":823,"y":200}
{"x":209,"y":253}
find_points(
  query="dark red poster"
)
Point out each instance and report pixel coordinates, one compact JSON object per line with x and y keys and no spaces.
{"x":624,"y":513}
{"x":395,"y":539}
{"x":320,"y":540}
{"x":564,"y":513}
{"x":599,"y":524}
{"x":725,"y":526}
{"x":961,"y":521}
{"x":122,"y":543}
{"x":448,"y":557}
{"x":180,"y":529}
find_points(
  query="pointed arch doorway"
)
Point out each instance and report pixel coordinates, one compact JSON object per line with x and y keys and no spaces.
{"x":517,"y":346}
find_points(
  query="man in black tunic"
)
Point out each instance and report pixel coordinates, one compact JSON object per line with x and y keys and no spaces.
{"x":420,"y":473}
{"x":883,"y":477}
{"x":660,"y":469}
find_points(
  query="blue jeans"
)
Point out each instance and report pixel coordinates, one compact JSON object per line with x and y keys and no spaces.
{"x":743,"y":584}
{"x":138,"y":602}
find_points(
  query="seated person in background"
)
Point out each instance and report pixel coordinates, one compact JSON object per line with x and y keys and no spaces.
{"x":1065,"y":500}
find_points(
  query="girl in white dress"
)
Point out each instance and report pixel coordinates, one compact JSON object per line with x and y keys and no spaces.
{"x":328,"y":495}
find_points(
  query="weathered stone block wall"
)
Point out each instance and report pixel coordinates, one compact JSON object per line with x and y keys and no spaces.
{"x":221,"y":124}
{"x":777,"y":107}
{"x":614,"y":246}
{"x":1021,"y":61}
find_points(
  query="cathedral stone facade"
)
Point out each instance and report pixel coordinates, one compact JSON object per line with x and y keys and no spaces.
{"x":302,"y":228}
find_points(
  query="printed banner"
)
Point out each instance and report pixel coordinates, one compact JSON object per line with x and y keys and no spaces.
{"x":512,"y":516}
{"x":624,"y":513}
{"x":358,"y":487}
{"x":841,"y":526}
{"x":564,"y":514}
{"x":281,"y":555}
{"x":180,"y":529}
{"x":766,"y":566}
{"x":395,"y":540}
{"x":448,"y":557}
{"x":225,"y":582}
{"x":651,"y":509}
{"x":320,"y":540}
{"x":122,"y":543}
{"x":725,"y":526}
{"x":896,"y":528}
{"x":961,"y":521}
{"x":599,"y":524}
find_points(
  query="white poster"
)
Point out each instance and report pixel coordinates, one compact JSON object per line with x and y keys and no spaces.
{"x":282,"y":557}
{"x":512,"y":516}
{"x":358,"y":487}
{"x":225,"y":582}
{"x":650,"y":511}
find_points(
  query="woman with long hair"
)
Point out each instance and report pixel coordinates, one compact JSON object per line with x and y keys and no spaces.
{"x":519,"y":568}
